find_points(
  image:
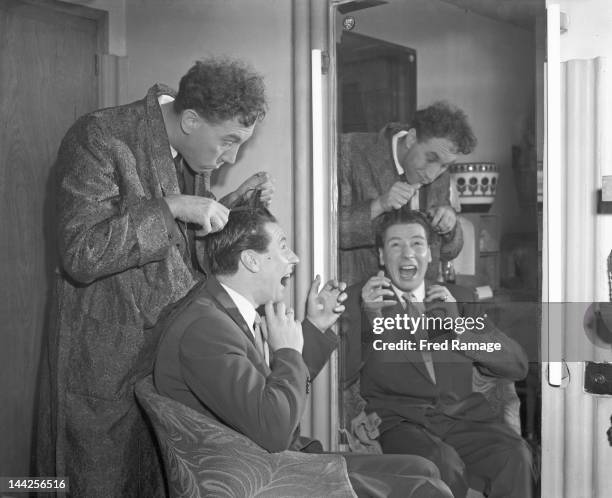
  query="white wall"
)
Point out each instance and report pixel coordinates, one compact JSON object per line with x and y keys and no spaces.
{"x":589,"y":31}
{"x":165,"y":38}
{"x":483,"y":66}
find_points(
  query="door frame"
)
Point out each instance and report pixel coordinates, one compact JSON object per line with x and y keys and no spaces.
{"x":110,"y":69}
{"x":98,"y":15}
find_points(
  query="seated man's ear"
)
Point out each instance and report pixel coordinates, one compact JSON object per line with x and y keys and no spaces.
{"x":250,"y":260}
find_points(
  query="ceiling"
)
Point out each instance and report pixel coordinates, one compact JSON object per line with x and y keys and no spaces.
{"x":518,"y":12}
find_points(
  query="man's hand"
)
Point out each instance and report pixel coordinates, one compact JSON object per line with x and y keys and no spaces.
{"x":441,"y":303}
{"x":442,"y":218}
{"x":325,"y":306}
{"x":398,"y":195}
{"x":208,"y":213}
{"x":261,"y":181}
{"x":281,"y":329}
{"x":374,"y":291}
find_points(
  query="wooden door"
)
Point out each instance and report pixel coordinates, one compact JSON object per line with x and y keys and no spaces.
{"x":47,"y":80}
{"x":376,"y":83}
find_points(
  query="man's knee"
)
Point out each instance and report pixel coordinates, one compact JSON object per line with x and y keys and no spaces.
{"x":450,"y":465}
{"x":433,"y":488}
{"x":446,"y":458}
{"x":414,"y":464}
{"x":517,"y":453}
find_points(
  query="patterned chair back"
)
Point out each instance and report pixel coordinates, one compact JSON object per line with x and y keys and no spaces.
{"x":204,"y":458}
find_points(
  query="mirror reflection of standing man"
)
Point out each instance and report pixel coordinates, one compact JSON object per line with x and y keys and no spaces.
{"x":403,"y":164}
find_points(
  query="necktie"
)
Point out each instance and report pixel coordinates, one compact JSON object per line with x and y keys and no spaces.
{"x":415,"y":201}
{"x":419,"y":307}
{"x":202,"y":185}
{"x":180,"y":174}
{"x":260,"y":340}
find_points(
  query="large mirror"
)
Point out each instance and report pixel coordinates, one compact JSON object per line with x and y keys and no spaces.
{"x":392,"y":58}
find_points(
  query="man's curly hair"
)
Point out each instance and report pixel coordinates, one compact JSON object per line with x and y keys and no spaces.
{"x":440,"y":120}
{"x":222,"y":89}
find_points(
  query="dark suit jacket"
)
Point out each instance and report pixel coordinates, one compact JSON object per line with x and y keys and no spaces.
{"x":396,"y":384}
{"x":208,"y":361}
{"x":367,"y":171}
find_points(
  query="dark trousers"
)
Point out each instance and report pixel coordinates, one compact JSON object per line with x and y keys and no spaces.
{"x":391,"y":476}
{"x":467,"y":452}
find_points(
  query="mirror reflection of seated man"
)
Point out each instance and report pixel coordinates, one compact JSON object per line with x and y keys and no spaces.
{"x":424,"y":397}
{"x":253,"y":374}
{"x":404,"y":164}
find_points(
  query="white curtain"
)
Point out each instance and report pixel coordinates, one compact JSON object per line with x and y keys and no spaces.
{"x":576,"y":455}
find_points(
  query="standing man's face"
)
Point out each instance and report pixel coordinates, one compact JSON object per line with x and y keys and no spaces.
{"x":405,"y":255}
{"x":209,"y":145}
{"x":424,"y":161}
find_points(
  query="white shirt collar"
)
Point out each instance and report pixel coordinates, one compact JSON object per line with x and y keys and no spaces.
{"x":164,"y":99}
{"x":415,"y":200}
{"x":394,"y":140}
{"x":247,"y":310}
{"x":419,"y":293}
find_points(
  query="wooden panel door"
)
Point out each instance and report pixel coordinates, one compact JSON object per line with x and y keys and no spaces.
{"x":47,"y":79}
{"x":376,"y":83}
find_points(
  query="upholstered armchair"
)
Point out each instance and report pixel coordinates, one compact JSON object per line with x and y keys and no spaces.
{"x":204,"y":458}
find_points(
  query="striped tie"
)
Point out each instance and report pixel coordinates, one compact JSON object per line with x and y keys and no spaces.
{"x":260,"y":340}
{"x":419,"y":307}
{"x":201,"y":188}
{"x":202,"y":184}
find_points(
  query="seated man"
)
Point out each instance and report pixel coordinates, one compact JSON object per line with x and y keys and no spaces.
{"x":418,"y":376}
{"x":218,"y":357}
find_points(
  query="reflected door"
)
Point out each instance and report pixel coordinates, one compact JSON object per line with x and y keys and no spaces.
{"x":377,"y":83}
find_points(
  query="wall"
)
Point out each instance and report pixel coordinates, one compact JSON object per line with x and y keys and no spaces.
{"x":483,"y":66}
{"x":165,"y":38}
{"x":589,"y":31}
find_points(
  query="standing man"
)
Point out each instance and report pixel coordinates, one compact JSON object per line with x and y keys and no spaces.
{"x":403,"y":164}
{"x":253,"y":374}
{"x":133,"y":195}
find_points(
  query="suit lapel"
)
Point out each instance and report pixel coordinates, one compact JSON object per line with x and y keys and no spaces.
{"x":381,"y":155}
{"x":226,"y":303}
{"x":159,"y":156}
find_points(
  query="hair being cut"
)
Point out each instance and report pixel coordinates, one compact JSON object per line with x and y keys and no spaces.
{"x":440,"y":120}
{"x":222,"y":89}
{"x":244,"y":230}
{"x":402,"y":216}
